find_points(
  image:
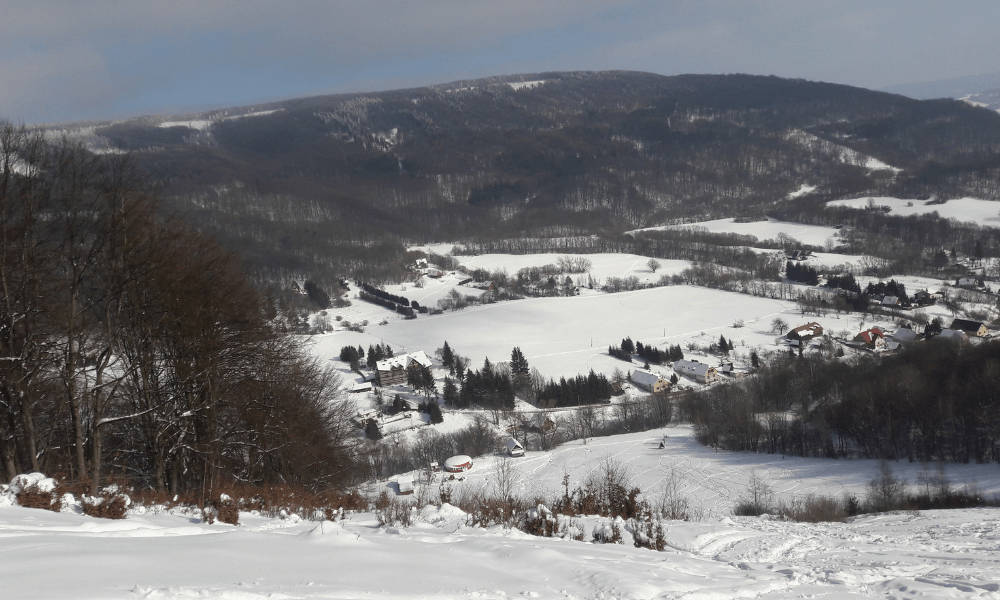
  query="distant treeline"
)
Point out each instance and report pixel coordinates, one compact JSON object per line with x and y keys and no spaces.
{"x":933,"y":401}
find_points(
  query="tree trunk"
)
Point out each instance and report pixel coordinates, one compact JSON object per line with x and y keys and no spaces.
{"x":74,"y":401}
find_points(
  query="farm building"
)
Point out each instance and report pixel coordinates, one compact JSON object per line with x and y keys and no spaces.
{"x":405,"y":484}
{"x":971,"y":328}
{"x":902,"y":337}
{"x":954,"y":335}
{"x":693,"y":369}
{"x":458,"y":464}
{"x":514,"y":448}
{"x":649,"y":381}
{"x":392,"y":371}
{"x":806,"y":332}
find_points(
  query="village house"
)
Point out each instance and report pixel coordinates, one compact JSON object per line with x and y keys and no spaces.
{"x":805,"y":332}
{"x":925,"y":297}
{"x":971,"y":328}
{"x":649,"y":381}
{"x":953,"y":335}
{"x":693,"y":369}
{"x":967,"y":282}
{"x":392,"y":371}
{"x":890,"y":301}
{"x":873,"y":339}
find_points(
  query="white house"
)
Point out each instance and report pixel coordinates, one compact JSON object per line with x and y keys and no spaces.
{"x":693,"y":369}
{"x":649,"y":381}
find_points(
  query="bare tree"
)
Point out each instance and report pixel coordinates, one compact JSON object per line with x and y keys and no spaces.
{"x":653,"y":264}
{"x":779,"y":326}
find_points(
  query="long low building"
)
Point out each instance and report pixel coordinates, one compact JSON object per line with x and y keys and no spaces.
{"x":698,"y":371}
{"x":649,"y":381}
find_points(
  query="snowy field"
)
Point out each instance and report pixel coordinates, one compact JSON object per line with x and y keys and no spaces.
{"x":570,"y":335}
{"x":712,"y":480}
{"x":172,"y":555}
{"x":603,"y":265}
{"x":983,"y":212}
{"x":762,"y":230}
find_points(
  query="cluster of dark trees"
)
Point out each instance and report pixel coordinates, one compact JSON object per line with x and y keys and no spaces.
{"x":488,"y":388}
{"x":384,"y":295}
{"x":887,"y":288}
{"x":844,"y":281}
{"x":593,"y":388}
{"x":722,"y":346}
{"x":933,"y":401}
{"x":316,"y":294}
{"x":801,"y":273}
{"x":377,"y":352}
{"x":651,"y":354}
{"x":399,"y":308}
{"x":391,"y":301}
{"x":133,"y":347}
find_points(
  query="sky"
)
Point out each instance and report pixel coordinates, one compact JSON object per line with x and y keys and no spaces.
{"x":73,"y":60}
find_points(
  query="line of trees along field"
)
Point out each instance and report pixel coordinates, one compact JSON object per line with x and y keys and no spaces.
{"x":131,"y":346}
{"x":933,"y":401}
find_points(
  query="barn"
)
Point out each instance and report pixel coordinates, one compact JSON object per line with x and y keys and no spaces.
{"x":458,"y":464}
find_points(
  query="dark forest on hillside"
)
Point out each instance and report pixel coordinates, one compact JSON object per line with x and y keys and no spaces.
{"x":332,"y":186}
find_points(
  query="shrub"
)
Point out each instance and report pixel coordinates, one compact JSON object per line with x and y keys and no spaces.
{"x":34,"y":496}
{"x":228,"y":511}
{"x":605,"y":533}
{"x":109,"y":504}
{"x":649,"y":535}
{"x":813,"y":509}
{"x":885,"y":491}
{"x":539,"y":521}
{"x":756,"y":500}
{"x":389,"y":511}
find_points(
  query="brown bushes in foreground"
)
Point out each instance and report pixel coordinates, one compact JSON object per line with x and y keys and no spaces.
{"x":33,"y":497}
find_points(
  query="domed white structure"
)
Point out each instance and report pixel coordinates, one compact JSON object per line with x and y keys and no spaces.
{"x":458,"y":464}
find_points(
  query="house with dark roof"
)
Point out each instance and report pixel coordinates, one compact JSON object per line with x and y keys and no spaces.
{"x":393,"y":370}
{"x":971,"y":328}
{"x":698,"y":371}
{"x":805,"y":332}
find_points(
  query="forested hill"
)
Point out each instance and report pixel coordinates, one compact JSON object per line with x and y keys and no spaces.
{"x":330,"y":185}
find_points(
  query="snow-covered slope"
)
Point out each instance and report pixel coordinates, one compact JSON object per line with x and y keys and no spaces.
{"x":939,"y":554}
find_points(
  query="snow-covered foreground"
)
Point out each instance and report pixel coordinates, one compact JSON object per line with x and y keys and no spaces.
{"x":942,"y":554}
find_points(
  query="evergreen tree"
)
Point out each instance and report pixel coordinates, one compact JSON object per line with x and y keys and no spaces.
{"x":371,"y":430}
{"x":723,"y":346}
{"x":628,"y":346}
{"x":518,"y":363}
{"x":434,"y":411}
{"x":447,"y":357}
{"x":450,"y":392}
